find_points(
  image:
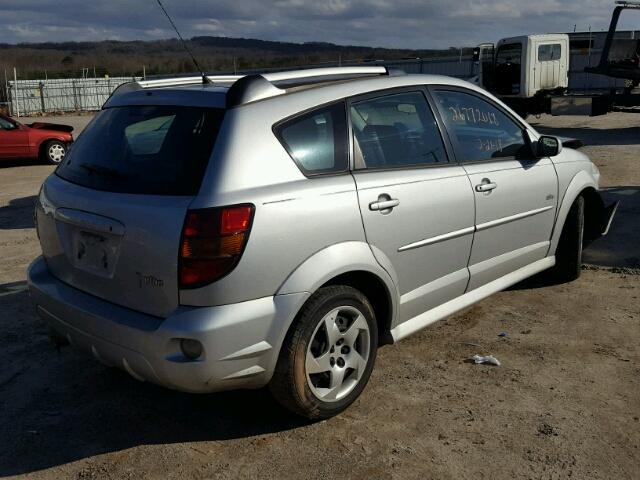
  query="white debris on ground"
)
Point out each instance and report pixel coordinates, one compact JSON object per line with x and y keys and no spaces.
{"x":486,"y":360}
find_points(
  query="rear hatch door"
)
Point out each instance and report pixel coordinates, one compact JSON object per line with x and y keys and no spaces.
{"x":110,"y":218}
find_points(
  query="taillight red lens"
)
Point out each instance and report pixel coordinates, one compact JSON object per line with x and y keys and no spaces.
{"x":236,"y":219}
{"x":212,"y":243}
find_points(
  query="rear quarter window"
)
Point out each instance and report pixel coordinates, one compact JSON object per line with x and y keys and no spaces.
{"x":158,"y":150}
{"x":317,"y":140}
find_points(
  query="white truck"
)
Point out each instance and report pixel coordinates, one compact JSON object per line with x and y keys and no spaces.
{"x":531,"y":73}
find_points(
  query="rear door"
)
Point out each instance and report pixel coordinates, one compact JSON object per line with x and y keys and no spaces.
{"x":110,"y":218}
{"x":417,"y":206}
{"x":14,"y":139}
{"x":548,"y":71}
{"x":515,"y":193}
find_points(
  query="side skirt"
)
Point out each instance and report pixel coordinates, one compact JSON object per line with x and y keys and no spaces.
{"x":452,"y":306}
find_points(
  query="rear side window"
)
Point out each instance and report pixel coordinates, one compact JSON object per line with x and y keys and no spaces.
{"x":396,"y":131}
{"x":6,"y":124}
{"x":155,"y":150}
{"x":317,"y":140}
{"x":480,"y":131}
{"x":547,"y":53}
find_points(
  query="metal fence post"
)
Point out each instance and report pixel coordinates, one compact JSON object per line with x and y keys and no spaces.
{"x":41,"y":89}
{"x":15,"y":83}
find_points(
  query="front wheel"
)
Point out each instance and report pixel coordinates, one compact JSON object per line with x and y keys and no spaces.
{"x":54,"y":152}
{"x":328,"y":355}
{"x":569,"y":252}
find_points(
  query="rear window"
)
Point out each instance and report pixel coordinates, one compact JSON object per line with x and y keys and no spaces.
{"x":154,"y":150}
{"x":546,"y":53}
{"x":317,"y":140}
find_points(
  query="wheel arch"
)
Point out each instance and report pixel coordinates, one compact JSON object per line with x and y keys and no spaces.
{"x":581,"y":184}
{"x":352,"y":264}
{"x":42,"y":143}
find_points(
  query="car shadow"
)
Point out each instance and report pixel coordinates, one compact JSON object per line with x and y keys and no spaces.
{"x":62,"y":406}
{"x":22,"y":162}
{"x":620,"y":248}
{"x":18,"y":214}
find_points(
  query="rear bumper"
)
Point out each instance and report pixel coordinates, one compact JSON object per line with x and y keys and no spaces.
{"x":240,"y":341}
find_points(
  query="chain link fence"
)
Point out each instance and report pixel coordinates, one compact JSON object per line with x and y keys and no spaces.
{"x":36,"y":97}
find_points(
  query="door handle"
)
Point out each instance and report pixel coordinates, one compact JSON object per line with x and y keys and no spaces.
{"x":384,"y":204}
{"x":486,"y":185}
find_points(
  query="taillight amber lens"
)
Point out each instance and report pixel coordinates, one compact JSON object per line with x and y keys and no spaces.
{"x":212,"y":243}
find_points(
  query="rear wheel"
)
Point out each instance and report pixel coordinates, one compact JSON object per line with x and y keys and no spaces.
{"x":54,"y":152}
{"x":328,"y":355}
{"x":569,"y":252}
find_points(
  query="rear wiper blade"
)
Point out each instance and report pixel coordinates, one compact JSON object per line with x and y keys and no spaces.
{"x":101,"y":170}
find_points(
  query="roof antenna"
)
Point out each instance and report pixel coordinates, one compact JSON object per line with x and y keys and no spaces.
{"x":205,"y":79}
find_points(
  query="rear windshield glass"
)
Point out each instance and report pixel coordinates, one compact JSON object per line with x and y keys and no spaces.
{"x":155,"y":150}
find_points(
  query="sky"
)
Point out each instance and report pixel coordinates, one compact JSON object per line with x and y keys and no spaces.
{"x":378,"y":23}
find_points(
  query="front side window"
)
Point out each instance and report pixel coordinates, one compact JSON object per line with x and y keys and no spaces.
{"x":547,"y":53}
{"x":480,"y":131}
{"x":510,"y":53}
{"x":317,"y":140}
{"x":396,"y":131}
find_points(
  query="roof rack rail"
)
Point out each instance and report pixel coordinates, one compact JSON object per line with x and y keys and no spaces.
{"x":249,"y":88}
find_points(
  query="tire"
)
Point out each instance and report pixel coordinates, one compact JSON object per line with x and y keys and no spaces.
{"x":342,"y":359}
{"x":569,"y":252}
{"x":54,"y":152}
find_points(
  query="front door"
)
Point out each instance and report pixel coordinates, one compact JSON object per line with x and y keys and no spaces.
{"x":515,"y":193}
{"x":416,"y":206}
{"x":14,"y":141}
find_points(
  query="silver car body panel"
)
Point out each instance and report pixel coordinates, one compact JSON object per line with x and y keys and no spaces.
{"x":437,"y":271}
{"x":518,"y":213}
{"x":443,"y":247}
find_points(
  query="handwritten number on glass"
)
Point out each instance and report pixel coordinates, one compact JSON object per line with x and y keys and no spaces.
{"x":473,"y":115}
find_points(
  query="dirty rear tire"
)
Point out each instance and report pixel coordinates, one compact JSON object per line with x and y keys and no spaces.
{"x":569,"y":252}
{"x":289,"y":385}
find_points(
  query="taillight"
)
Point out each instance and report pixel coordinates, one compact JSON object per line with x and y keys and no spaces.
{"x":212,"y":243}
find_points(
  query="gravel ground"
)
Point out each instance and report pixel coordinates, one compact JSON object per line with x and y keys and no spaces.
{"x":564,"y":404}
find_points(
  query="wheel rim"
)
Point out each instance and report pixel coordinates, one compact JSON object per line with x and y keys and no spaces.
{"x":56,"y":153}
{"x":338,"y":353}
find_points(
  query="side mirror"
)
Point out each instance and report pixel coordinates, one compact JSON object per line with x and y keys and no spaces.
{"x":548,"y":146}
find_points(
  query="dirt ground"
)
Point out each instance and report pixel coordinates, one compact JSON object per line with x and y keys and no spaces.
{"x":564,"y":404}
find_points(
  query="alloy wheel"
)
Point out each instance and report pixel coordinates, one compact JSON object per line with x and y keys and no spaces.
{"x":338,"y":353}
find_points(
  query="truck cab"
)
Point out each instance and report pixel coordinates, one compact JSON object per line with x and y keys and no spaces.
{"x":527,"y":65}
{"x":524,"y":71}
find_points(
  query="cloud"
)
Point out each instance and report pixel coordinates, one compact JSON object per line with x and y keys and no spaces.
{"x":403,"y":24}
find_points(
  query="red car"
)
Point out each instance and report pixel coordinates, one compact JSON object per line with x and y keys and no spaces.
{"x":47,"y":141}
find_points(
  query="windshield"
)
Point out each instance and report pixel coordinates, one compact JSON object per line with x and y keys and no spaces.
{"x":159,"y":150}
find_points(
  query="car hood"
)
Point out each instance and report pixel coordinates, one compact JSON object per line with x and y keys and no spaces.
{"x":51,"y":126}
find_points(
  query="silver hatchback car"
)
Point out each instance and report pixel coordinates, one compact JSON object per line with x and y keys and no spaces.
{"x":236,"y":232}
